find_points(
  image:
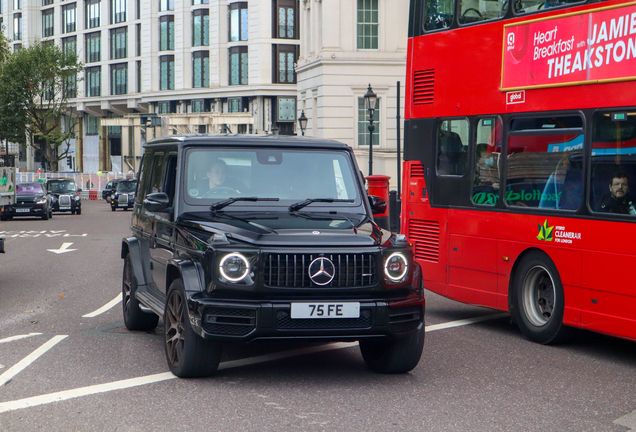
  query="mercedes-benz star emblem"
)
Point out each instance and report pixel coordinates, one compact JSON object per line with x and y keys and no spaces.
{"x":321,"y":271}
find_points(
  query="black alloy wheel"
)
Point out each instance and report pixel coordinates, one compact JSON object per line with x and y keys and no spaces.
{"x":188,"y":354}
{"x":134,"y":317}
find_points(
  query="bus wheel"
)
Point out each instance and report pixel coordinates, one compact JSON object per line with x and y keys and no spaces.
{"x":538,"y":300}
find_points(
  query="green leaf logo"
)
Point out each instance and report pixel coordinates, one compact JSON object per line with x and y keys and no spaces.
{"x":545,"y":231}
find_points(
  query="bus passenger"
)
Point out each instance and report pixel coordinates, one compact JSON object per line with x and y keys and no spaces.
{"x":618,"y":200}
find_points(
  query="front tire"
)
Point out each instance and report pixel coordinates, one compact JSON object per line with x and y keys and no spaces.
{"x":45,"y":216}
{"x":538,"y":301}
{"x":393,"y":356}
{"x":134,"y":317}
{"x":188,"y":354}
{"x":78,"y":211}
{"x":113,"y":208}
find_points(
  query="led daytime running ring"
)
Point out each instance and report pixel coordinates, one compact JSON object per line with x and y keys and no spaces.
{"x":239,"y":256}
{"x":406,"y":267}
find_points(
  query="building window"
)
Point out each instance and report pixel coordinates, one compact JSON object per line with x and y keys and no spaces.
{"x":47,"y":22}
{"x":138,"y":64}
{"x":234,"y":105}
{"x":92,"y":13}
{"x":70,"y":87}
{"x":118,"y":43}
{"x":196,"y":106}
{"x":93,"y":47}
{"x":284,"y":61}
{"x":17,"y":4}
{"x":69,"y":45}
{"x":238,"y":22}
{"x":138,"y":9}
{"x":367,"y":25}
{"x":285,"y":23}
{"x":166,"y":33}
{"x":163,"y":107}
{"x":119,"y":79}
{"x":238,"y":66}
{"x":92,"y":124}
{"x":198,"y":2}
{"x":200,"y":69}
{"x":94,"y":81}
{"x":17,"y":47}
{"x":117,"y":11}
{"x":69,"y":17}
{"x":166,"y":72}
{"x":47,"y":2}
{"x":166,"y":5}
{"x":138,"y":41}
{"x":363,"y":123}
{"x":201,"y":27}
{"x":17,"y":26}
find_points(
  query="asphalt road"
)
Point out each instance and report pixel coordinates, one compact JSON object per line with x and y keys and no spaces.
{"x":67,"y":363}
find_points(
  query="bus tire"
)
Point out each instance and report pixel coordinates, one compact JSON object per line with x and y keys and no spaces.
{"x":393,"y":356}
{"x":538,"y":300}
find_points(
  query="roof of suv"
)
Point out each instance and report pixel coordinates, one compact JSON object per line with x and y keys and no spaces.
{"x":247,"y":140}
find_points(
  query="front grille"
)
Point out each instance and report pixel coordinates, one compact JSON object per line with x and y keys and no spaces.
{"x":229,"y":321}
{"x":284,"y":321}
{"x":425,"y":236}
{"x":292,"y":270}
{"x":123,"y":199}
{"x":405,"y":318}
{"x":65,"y":200}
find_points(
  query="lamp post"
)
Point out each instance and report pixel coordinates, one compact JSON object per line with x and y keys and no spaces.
{"x":370,"y":100}
{"x":302,"y":122}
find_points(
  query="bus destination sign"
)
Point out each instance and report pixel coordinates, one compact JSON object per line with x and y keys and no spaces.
{"x":589,"y":47}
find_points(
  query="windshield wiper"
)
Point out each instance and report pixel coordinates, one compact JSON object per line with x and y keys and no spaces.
{"x":301,"y":204}
{"x":227,"y":202}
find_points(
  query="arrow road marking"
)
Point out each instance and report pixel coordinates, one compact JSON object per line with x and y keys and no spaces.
{"x":63,"y":249}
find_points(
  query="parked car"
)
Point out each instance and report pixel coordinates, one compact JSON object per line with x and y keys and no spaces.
{"x":31,"y":200}
{"x":64,"y":195}
{"x":110,"y":189}
{"x":124,"y":197}
{"x":243,"y":238}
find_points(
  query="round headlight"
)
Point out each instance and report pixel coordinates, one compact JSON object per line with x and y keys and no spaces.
{"x":234,"y":267}
{"x":77,"y":198}
{"x":396,"y":266}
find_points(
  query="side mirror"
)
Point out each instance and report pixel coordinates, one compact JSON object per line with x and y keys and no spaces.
{"x":156,"y":201}
{"x":378,"y":204}
{"x":79,"y":190}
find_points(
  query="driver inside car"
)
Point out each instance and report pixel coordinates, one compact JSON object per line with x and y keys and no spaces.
{"x":215,"y":182}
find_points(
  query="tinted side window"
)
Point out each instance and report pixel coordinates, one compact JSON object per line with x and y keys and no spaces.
{"x":157,"y":174}
{"x":475,"y":11}
{"x":613,"y":179}
{"x":486,"y":181}
{"x":170,"y":177}
{"x":437,"y":14}
{"x":144,"y":176}
{"x":545,"y":163}
{"x":452,"y":147}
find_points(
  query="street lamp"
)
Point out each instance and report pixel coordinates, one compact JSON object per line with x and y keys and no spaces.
{"x":302,"y":122}
{"x":369,"y":101}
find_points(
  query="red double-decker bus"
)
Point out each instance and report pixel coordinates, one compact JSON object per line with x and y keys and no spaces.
{"x":520,"y":159}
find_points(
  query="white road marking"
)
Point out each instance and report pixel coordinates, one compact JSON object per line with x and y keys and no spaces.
{"x":628,"y":420}
{"x":149,"y":379}
{"x":63,"y":249}
{"x":464,"y":322}
{"x":18,"y":337}
{"x":104,"y":308}
{"x":22,"y":364}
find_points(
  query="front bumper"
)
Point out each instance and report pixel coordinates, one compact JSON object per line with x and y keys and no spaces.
{"x":245,"y":321}
{"x":24,"y":210}
{"x":75,"y":204}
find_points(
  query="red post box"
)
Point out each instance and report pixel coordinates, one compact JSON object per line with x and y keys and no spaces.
{"x":378,"y":185}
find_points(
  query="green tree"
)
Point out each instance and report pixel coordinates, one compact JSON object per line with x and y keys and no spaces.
{"x":36,"y":83}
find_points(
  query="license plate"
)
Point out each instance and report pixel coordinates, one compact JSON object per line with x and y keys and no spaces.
{"x":123,"y":205}
{"x":64,"y":208}
{"x":22,"y":210}
{"x":325,"y":310}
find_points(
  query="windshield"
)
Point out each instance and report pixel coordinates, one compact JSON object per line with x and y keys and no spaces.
{"x":29,"y":188}
{"x":292,"y":175}
{"x":126,"y":186}
{"x":61,"y":187}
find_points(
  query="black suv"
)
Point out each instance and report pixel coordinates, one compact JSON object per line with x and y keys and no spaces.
{"x":243,"y":238}
{"x":64,"y":195}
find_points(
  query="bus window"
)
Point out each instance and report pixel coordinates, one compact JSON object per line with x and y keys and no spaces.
{"x":476,"y":10}
{"x":536,"y":5}
{"x":452,"y":147}
{"x":438,"y":14}
{"x":487,"y":151}
{"x":545,"y":163}
{"x":613,"y":162}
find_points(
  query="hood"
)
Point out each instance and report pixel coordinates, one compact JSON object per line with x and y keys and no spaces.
{"x":29,"y":197}
{"x":308,"y":229}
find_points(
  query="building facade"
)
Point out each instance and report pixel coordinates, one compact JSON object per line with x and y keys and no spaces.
{"x":156,"y":67}
{"x":345,"y":46}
